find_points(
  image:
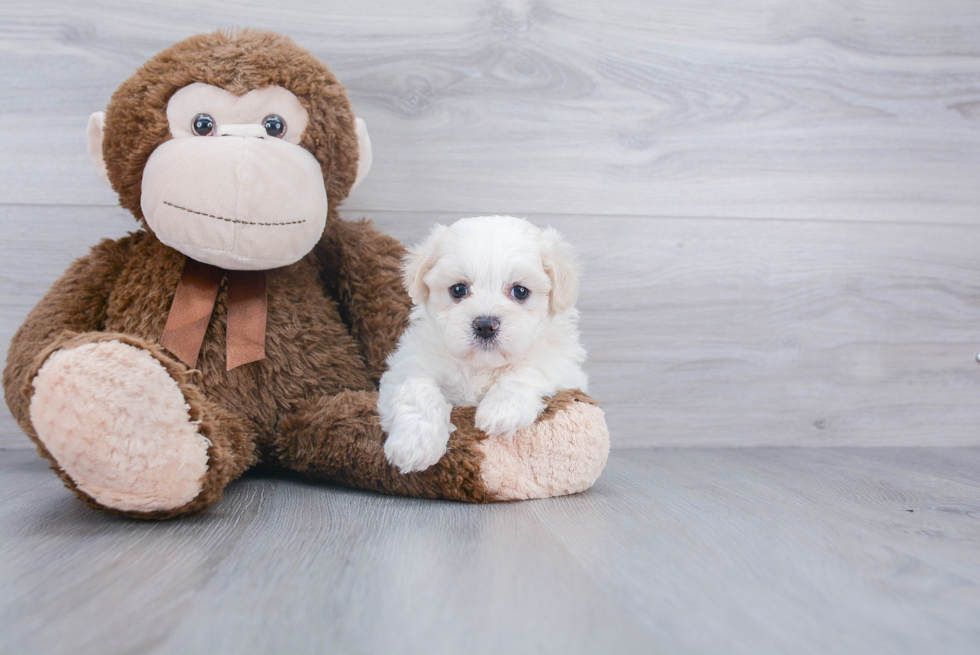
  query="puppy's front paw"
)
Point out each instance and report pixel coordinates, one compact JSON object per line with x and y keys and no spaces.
{"x":503,"y":413}
{"x":416,"y":441}
{"x":416,"y":449}
{"x":416,"y":416}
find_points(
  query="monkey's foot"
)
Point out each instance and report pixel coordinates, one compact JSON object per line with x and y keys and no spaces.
{"x":562,"y":453}
{"x":118,"y":426}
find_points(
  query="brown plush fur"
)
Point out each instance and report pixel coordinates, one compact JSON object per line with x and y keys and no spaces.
{"x":333,"y":316}
{"x":355,"y":457}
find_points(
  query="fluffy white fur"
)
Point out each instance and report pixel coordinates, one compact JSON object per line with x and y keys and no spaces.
{"x":441,"y":362}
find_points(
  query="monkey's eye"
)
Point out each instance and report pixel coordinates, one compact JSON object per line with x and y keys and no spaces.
{"x":203,"y":125}
{"x":519,"y":292}
{"x":458,"y":291}
{"x":274,"y":125}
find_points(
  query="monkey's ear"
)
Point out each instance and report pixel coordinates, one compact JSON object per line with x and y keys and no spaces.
{"x":419,"y":261}
{"x":364,"y":154}
{"x":559,"y":263}
{"x":95,"y":124}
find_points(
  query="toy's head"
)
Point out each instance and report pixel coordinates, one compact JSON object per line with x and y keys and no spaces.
{"x":491,"y":284}
{"x":232,"y":148}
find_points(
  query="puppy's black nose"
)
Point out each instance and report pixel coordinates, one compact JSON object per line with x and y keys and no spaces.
{"x":486,"y":327}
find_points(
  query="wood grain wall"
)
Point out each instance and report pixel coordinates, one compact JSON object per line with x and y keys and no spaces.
{"x":777,"y":202}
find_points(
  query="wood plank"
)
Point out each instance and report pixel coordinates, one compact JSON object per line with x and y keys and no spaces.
{"x":356,"y":572}
{"x":82,"y":581}
{"x":287,"y":566}
{"x":22,"y":475}
{"x":772,"y":109}
{"x":780,"y":550}
{"x":708,"y":332}
{"x":675,"y":550}
{"x":957,"y":464}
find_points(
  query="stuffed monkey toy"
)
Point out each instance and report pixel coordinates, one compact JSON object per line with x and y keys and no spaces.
{"x":245,"y":322}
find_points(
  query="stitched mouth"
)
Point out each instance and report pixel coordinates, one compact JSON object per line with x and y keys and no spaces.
{"x":229,"y":220}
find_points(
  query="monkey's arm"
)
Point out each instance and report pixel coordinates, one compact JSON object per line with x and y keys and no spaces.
{"x":362,"y":267}
{"x":339,"y":438}
{"x":75,"y":303}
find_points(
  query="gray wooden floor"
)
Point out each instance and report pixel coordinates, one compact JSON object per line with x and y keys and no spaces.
{"x":675,"y":550}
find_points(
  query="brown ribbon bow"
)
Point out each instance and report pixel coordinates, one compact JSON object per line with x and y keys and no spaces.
{"x":193,"y":304}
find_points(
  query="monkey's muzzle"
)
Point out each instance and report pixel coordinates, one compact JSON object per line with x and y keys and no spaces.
{"x":236,"y":202}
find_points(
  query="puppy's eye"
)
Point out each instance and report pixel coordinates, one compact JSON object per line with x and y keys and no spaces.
{"x":458,"y":291}
{"x":274,"y":125}
{"x":519,"y":292}
{"x":203,"y":125}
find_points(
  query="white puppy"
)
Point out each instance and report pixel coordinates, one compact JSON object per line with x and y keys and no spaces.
{"x":494,"y":326}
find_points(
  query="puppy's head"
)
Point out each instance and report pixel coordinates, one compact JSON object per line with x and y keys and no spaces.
{"x":491,"y":285}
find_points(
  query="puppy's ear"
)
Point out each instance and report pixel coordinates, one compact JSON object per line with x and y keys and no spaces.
{"x":559,"y":263}
{"x":419,"y":261}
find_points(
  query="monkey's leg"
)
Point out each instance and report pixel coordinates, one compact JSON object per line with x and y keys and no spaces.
{"x":338,"y":438}
{"x":127,"y":430}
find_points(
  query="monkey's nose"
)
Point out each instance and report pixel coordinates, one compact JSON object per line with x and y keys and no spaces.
{"x":243,"y":129}
{"x":486,"y":327}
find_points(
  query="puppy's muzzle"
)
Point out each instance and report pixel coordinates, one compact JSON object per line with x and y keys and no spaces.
{"x":485,"y":328}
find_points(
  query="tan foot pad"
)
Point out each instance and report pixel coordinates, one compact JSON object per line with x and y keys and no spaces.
{"x":561,"y":455}
{"x":118,"y":425}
